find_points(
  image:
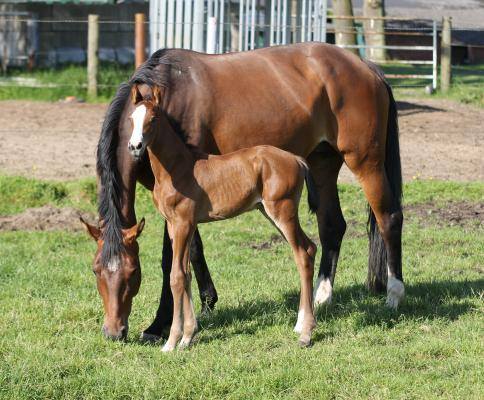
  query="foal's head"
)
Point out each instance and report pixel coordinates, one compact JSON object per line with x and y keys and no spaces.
{"x":118,"y":281}
{"x":145,"y":112}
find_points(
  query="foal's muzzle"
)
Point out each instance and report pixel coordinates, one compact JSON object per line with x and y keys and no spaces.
{"x":136,"y":150}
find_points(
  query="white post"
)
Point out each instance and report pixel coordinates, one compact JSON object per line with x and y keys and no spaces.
{"x":303,"y":21}
{"x":310,"y":21}
{"x":246,"y":22}
{"x":252,"y":26}
{"x":278,"y":24}
{"x":272,"y":28}
{"x":212,"y":35}
{"x":324,"y":21}
{"x":434,"y":55}
{"x":241,"y":24}
{"x":187,"y":27}
{"x":221,"y":27}
{"x":197,"y":41}
{"x":169,"y":25}
{"x":284,"y":22}
{"x":179,"y":24}
{"x":154,"y":8}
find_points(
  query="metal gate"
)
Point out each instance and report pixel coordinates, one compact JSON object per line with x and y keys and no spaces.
{"x":218,"y":26}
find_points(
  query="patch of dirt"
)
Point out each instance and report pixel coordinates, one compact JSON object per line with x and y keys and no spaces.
{"x":439,"y":139}
{"x":454,"y":213}
{"x":274,"y":239}
{"x":46,"y":218}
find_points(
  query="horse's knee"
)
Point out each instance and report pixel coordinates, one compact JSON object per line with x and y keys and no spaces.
{"x":177,"y":280}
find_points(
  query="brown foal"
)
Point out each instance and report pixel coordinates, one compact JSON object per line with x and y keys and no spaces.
{"x":191,"y":187}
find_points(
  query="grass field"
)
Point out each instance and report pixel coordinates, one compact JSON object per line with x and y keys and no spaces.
{"x":467,"y":87}
{"x":432,"y":347}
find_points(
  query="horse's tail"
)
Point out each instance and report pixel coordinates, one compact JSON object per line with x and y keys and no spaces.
{"x":377,"y":263}
{"x":109,"y":196}
{"x":313,"y":198}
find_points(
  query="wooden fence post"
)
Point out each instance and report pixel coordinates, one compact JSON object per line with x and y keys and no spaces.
{"x":139,"y":39}
{"x":445,"y":57}
{"x":92,"y":54}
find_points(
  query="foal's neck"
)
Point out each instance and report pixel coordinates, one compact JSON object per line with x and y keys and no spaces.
{"x":169,"y":153}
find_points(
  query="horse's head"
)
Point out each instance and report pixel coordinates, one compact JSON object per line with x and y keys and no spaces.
{"x":142,"y":118}
{"x":118,"y":281}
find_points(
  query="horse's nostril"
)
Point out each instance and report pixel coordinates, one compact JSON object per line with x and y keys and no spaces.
{"x":124,"y":333}
{"x":130,"y":146}
{"x":138,"y":146}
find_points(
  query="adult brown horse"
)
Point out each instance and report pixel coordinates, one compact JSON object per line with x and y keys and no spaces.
{"x":312,"y":99}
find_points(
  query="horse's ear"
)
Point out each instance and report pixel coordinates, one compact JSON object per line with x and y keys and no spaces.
{"x":136,"y":96}
{"x":134,"y":232}
{"x":94,"y":232}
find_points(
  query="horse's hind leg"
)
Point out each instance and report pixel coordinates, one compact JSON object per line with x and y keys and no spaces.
{"x":325,"y":164}
{"x":283,"y":214}
{"x":389,"y":218}
{"x":208,"y":294}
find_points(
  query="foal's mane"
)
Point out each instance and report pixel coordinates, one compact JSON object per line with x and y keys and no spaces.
{"x":109,"y":177}
{"x":157,"y":72}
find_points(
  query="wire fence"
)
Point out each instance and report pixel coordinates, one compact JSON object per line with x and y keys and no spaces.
{"x":412,"y":29}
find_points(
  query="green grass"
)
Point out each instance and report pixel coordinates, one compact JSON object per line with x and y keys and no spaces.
{"x":467,"y":83}
{"x":51,"y":314}
{"x":70,"y":79}
{"x":467,"y":87}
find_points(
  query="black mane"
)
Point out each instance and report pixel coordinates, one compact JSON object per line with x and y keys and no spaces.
{"x":156,"y":71}
{"x":110,"y":181}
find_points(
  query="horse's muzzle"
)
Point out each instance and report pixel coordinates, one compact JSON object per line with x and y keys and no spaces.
{"x":122,"y":334}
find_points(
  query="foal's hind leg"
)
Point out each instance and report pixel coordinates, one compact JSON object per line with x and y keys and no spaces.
{"x":283,"y":214}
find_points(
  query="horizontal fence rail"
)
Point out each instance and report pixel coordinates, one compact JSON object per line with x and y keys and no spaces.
{"x":218,"y":26}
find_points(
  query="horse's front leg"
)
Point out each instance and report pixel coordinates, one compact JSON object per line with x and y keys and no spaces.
{"x":208,"y":294}
{"x":180,"y":234}
{"x":206,"y":288}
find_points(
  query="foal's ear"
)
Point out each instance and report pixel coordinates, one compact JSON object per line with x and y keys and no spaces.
{"x":156,"y":96}
{"x":136,"y":96}
{"x":94,"y":232}
{"x":134,"y":232}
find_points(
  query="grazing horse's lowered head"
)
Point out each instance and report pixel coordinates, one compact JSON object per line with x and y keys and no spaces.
{"x":118,"y":281}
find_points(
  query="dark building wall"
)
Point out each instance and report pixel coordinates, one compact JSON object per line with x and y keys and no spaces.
{"x":59,"y":36}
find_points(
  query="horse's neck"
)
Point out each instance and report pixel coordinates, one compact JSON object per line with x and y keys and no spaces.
{"x":169,"y":155}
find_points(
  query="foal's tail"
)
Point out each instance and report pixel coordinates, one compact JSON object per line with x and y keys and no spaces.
{"x":313,"y":198}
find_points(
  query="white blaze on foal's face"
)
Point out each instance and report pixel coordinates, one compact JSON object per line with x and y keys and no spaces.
{"x":138,"y":118}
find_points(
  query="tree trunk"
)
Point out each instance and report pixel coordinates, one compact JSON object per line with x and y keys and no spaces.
{"x":345,"y":32}
{"x":374,"y":29}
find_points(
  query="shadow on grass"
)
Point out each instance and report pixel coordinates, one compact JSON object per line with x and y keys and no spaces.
{"x":444,"y":300}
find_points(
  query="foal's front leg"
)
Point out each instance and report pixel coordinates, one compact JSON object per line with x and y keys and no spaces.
{"x":180,"y":235}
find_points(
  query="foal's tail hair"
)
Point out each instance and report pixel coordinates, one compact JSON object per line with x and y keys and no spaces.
{"x":377,"y":263}
{"x":313,"y":198}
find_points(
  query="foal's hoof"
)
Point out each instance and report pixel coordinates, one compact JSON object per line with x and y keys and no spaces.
{"x":149,"y":337}
{"x":186,"y":342}
{"x":168,"y":347}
